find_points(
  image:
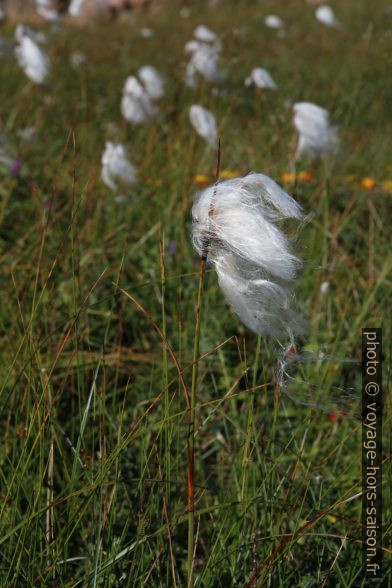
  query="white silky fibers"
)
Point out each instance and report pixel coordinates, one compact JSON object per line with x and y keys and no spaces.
{"x":261,"y":78}
{"x":30,"y":57}
{"x":76,"y":7}
{"x":203,"y":121}
{"x":326,"y":15}
{"x":273,"y":22}
{"x":317,"y":137}
{"x":140,"y":94}
{"x":115,"y":166}
{"x":136,"y":104}
{"x":152,"y":80}
{"x":204,"y":51}
{"x":235,"y":225}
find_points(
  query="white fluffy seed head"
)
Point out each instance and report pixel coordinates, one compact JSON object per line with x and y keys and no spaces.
{"x":136,"y":103}
{"x":203,"y":62}
{"x":204,"y":52}
{"x":205,"y":35}
{"x":115,"y":166}
{"x":326,"y":15}
{"x":152,"y":81}
{"x":203,"y":121}
{"x":31,"y":58}
{"x":235,"y":224}
{"x":261,"y":78}
{"x":273,"y":22}
{"x":46,"y":9}
{"x":317,"y":137}
{"x":76,"y":7}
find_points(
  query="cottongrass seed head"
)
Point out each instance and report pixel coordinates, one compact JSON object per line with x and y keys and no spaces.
{"x":317,"y":137}
{"x":116,"y":169}
{"x":204,"y":51}
{"x":235,"y":224}
{"x":153,"y":81}
{"x":30,"y":57}
{"x":261,"y":78}
{"x":203,"y":121}
{"x":326,"y":15}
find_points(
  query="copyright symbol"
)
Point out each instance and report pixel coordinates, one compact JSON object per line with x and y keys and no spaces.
{"x":372,"y":388}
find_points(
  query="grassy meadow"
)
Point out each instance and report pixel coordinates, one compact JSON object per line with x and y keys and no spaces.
{"x":93,"y":454}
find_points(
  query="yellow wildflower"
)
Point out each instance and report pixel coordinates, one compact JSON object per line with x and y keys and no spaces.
{"x":305,"y":176}
{"x":287,"y":178}
{"x":202,"y":180}
{"x":387,"y":186}
{"x":368,"y":183}
{"x":228,"y":174}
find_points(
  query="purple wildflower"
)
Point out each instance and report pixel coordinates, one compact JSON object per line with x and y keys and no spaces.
{"x":16,"y":166}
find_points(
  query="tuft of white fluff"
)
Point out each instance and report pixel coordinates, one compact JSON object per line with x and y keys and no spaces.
{"x":235,"y":224}
{"x":324,"y":288}
{"x":76,"y":7}
{"x":273,"y":22}
{"x":326,"y":15}
{"x":115,"y":166}
{"x":152,"y":81}
{"x":136,"y":103}
{"x":206,"y":35}
{"x":204,"y":62}
{"x":203,"y":121}
{"x":22,"y":31}
{"x":139,"y":94}
{"x":45,"y":9}
{"x":30,"y":57}
{"x":261,"y":78}
{"x":204,"y":51}
{"x":146,"y":33}
{"x":317,"y":137}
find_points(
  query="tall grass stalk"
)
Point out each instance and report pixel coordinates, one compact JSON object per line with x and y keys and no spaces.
{"x":191,"y":433}
{"x":195,"y":369}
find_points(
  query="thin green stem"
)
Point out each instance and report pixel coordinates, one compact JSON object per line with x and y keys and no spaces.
{"x":191,"y":433}
{"x":249,"y":423}
{"x":165,"y":379}
{"x":192,"y":410}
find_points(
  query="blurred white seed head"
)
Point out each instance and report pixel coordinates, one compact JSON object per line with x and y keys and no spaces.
{"x":235,"y":224}
{"x":30,"y":57}
{"x":204,"y":51}
{"x":152,"y":81}
{"x":22,"y":31}
{"x":116,"y":168}
{"x":76,"y":7}
{"x":206,"y":35}
{"x":261,"y":78}
{"x":317,"y":137}
{"x":136,"y":104}
{"x":139,"y":94}
{"x":324,"y":288}
{"x":146,"y":33}
{"x":203,"y":121}
{"x":326,"y":15}
{"x":46,"y":9}
{"x":273,"y":22}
